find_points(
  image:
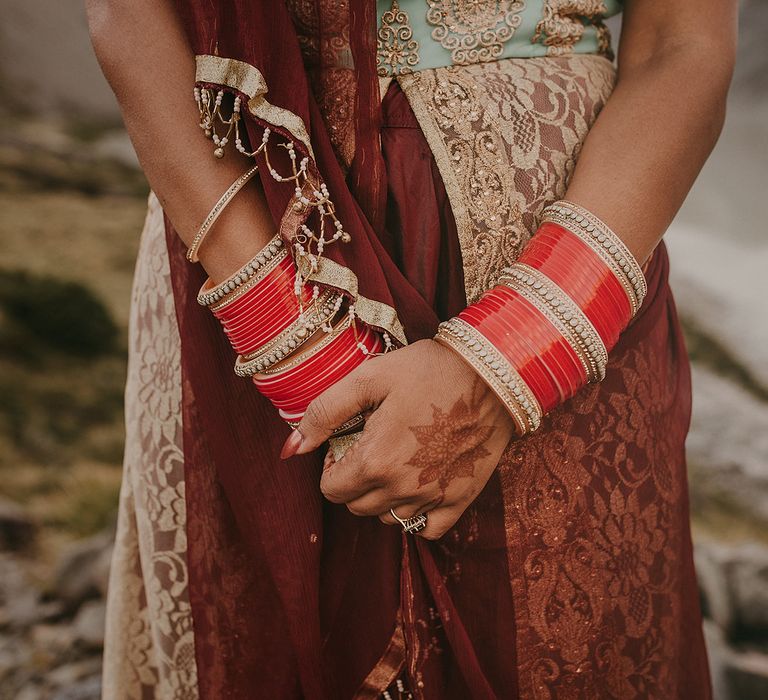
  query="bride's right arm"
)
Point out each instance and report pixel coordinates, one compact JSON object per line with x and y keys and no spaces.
{"x":145,"y":56}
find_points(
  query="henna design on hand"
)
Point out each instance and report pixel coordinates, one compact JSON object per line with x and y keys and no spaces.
{"x":452,"y":444}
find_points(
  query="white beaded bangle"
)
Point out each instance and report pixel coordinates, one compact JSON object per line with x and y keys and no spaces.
{"x":214,"y":214}
{"x":495,"y":370}
{"x":210,"y":295}
{"x":599,"y":236}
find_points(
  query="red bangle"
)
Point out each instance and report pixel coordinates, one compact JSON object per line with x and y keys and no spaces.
{"x":545,"y":334}
{"x":565,"y":240}
{"x":542,"y":357}
{"x":581,"y":274}
{"x":294,"y":390}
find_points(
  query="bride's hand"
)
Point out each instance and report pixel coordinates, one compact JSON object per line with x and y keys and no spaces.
{"x":433,"y":436}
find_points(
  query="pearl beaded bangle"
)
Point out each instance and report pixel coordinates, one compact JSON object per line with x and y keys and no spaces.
{"x":292,"y":338}
{"x":495,"y":370}
{"x":272,"y":253}
{"x":605,"y":243}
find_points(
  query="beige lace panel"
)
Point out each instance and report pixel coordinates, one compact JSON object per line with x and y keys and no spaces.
{"x":506,"y":136}
{"x":562,"y":25}
{"x":149,"y":644}
{"x":474,"y":31}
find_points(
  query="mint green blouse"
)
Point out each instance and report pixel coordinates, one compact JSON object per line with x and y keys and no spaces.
{"x":419,"y":34}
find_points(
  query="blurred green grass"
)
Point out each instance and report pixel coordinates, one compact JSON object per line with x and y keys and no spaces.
{"x":70,"y":231}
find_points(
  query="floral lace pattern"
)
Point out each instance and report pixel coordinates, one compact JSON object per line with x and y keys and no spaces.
{"x":506,"y":136}
{"x":149,"y":644}
{"x":595,"y":541}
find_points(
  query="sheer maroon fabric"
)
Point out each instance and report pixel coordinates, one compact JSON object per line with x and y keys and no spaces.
{"x":570,"y":575}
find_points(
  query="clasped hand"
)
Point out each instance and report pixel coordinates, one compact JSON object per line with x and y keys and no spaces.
{"x":433,"y":435}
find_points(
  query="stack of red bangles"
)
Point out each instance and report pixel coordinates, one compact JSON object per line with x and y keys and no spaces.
{"x":273,"y":321}
{"x":546,"y":329}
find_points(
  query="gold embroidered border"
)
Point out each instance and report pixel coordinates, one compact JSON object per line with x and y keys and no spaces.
{"x":384,"y":673}
{"x":417,"y":96}
{"x":249,"y":80}
{"x":505,"y":136}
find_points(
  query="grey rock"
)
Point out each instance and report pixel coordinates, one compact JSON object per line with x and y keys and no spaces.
{"x":79,"y":572}
{"x":17,"y":528}
{"x":720,"y":287}
{"x":52,"y":640}
{"x":19,"y":597}
{"x":719,"y":654}
{"x":69,"y":674}
{"x":733,"y":583}
{"x":710,"y":561}
{"x":748,"y":579}
{"x":747,"y":676}
{"x":727,"y":445}
{"x":31,"y":691}
{"x":88,"y":625}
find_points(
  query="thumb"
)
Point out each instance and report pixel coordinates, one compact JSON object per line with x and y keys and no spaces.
{"x":355,"y":393}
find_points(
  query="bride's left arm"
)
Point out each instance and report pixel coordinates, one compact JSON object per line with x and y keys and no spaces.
{"x":435,"y":432}
{"x":663,"y":118}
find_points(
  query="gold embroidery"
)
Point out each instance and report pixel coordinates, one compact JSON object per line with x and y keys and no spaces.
{"x":562,"y":25}
{"x":474,"y":31}
{"x":505,"y":136}
{"x":597,"y":581}
{"x":397,"y":51}
{"x":248,"y":80}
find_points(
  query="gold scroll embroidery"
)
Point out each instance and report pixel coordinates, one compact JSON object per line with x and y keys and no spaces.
{"x":561,"y":26}
{"x":397,"y":51}
{"x":505,"y":136}
{"x":475,"y":31}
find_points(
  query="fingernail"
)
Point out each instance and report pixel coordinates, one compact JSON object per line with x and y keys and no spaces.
{"x":291,"y":445}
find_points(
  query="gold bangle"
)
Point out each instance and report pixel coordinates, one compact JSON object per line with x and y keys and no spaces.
{"x":310,"y":352}
{"x":219,"y":207}
{"x":495,"y":370}
{"x":290,"y":339}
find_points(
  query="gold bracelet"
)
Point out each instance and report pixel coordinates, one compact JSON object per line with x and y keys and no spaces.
{"x":495,"y":370}
{"x":219,"y":207}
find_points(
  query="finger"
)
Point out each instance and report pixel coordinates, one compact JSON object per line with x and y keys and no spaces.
{"x":439,"y":521}
{"x":355,"y":393}
{"x":347,"y":479}
{"x":378,"y":501}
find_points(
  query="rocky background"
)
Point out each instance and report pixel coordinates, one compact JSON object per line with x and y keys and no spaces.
{"x":72,"y":201}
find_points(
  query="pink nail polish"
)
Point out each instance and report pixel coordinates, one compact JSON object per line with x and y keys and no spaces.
{"x":291,"y":445}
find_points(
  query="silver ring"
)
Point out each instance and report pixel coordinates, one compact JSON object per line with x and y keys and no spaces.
{"x":416,"y":523}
